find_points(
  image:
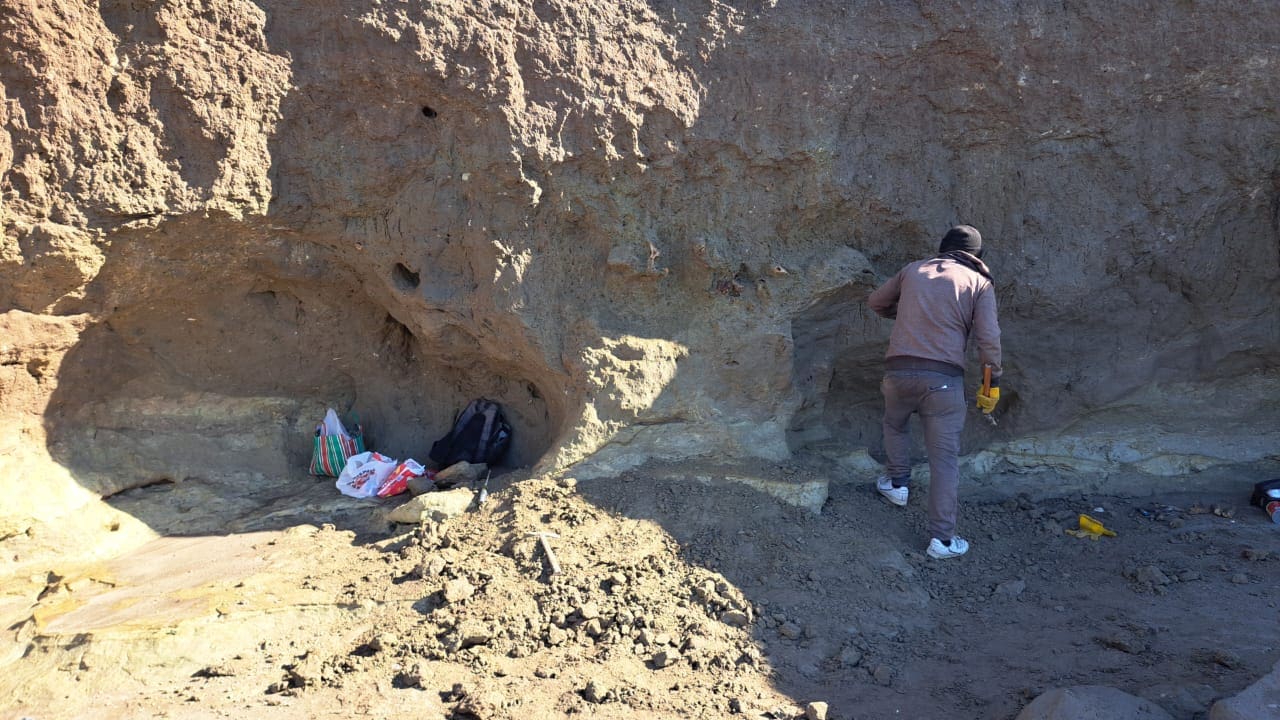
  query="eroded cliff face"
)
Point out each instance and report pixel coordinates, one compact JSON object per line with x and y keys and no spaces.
{"x":647,"y":228}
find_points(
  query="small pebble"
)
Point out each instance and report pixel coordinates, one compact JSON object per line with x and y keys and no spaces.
{"x":665,"y":658}
{"x":596,"y":691}
{"x":458,"y":589}
{"x":556,"y":636}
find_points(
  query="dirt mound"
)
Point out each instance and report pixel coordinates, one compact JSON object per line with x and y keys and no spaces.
{"x":626,"y":617}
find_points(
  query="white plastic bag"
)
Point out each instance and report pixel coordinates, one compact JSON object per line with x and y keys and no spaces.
{"x":332,"y":425}
{"x":364,"y":473}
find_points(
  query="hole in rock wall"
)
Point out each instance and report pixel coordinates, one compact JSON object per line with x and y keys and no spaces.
{"x":404,"y":278}
{"x":427,"y":111}
{"x":217,"y":370}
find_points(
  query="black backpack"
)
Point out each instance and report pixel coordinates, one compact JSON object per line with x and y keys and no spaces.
{"x":480,"y":434}
{"x":1260,"y":497}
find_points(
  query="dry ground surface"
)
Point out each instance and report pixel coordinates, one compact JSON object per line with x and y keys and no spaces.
{"x":681,"y":595}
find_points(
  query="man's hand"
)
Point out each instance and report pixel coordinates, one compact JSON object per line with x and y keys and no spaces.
{"x":988,"y":401}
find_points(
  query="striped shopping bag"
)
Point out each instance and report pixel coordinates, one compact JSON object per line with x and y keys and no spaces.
{"x":333,"y":445}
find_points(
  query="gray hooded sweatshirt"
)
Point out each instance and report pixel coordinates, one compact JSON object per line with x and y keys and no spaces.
{"x":937,"y":305}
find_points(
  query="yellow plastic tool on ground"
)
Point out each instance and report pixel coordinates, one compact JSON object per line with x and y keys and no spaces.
{"x":1090,"y":528}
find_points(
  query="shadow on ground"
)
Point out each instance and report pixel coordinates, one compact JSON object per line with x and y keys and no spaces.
{"x":852,"y":612}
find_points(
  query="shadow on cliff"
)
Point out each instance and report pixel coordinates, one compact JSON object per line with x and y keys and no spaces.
{"x":201,"y":387}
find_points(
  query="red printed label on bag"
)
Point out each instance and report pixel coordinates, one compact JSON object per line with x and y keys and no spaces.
{"x":364,"y":476}
{"x":398,"y":481}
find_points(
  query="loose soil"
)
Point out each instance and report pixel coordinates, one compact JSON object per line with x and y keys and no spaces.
{"x":679,"y":597}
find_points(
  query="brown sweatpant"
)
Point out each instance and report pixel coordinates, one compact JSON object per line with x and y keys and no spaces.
{"x":939,"y":399}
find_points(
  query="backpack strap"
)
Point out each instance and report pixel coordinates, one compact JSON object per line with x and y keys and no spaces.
{"x":465,"y":416}
{"x":486,"y":434}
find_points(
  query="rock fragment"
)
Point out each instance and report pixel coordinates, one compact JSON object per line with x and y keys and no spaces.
{"x":419,"y":484}
{"x":694,"y":643}
{"x":816,"y":710}
{"x":457,"y":590}
{"x":665,"y":658}
{"x":434,"y":506}
{"x":850,"y":656}
{"x":416,"y":676}
{"x":384,"y":641}
{"x":1219,"y":657}
{"x":430,"y":567}
{"x":472,"y":633}
{"x":1123,"y":645}
{"x":1151,"y":575}
{"x":307,"y":671}
{"x":1010,"y":589}
{"x":460,"y":473}
{"x":597,"y":691}
{"x":556,"y":635}
{"x":486,"y":706}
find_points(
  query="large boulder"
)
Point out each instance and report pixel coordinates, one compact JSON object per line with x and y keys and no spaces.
{"x":1259,"y":701}
{"x":1091,"y":702}
{"x":432,"y":506}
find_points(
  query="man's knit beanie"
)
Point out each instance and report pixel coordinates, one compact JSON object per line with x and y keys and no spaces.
{"x":962,"y":237}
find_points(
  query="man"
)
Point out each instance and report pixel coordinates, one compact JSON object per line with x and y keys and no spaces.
{"x":937,"y":304}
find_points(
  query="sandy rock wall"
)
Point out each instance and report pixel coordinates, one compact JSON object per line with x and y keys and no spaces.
{"x":646,"y":227}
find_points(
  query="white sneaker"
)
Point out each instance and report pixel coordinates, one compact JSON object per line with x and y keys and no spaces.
{"x":897,"y":496}
{"x":957,"y":548}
